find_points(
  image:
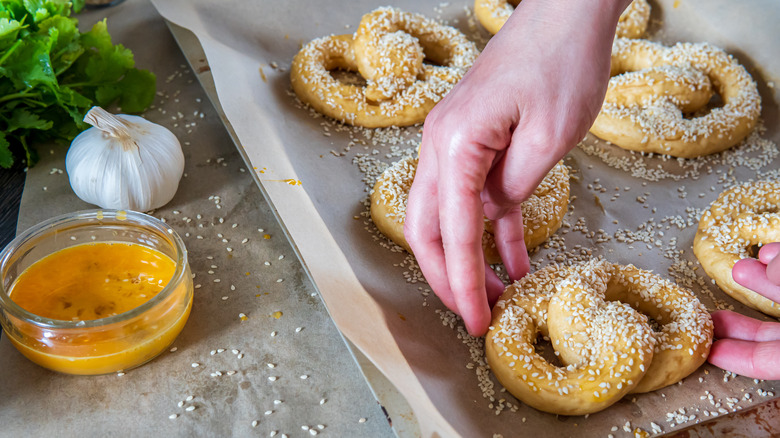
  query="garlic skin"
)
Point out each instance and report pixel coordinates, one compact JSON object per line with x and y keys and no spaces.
{"x":124,"y":162}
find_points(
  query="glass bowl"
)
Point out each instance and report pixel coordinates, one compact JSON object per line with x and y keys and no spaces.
{"x":105,"y":345}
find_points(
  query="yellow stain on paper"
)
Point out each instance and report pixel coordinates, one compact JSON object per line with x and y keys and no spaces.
{"x":676,"y":4}
{"x":266,"y":236}
{"x":260,"y":170}
{"x":262,"y":74}
{"x":288,"y":181}
{"x":278,"y":314}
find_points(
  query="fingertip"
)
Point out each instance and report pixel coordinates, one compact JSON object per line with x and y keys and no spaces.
{"x":773,"y":264}
{"x":520,"y":266}
{"x":741,"y":272}
{"x":510,"y":240}
{"x":718,"y":354}
{"x":720,"y":321}
{"x":732,"y":355}
{"x":769,"y":252}
{"x":477,"y":324}
{"x":494,"y":286}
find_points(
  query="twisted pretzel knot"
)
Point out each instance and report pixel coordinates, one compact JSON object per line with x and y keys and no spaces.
{"x":656,"y":100}
{"x":741,"y":217}
{"x":388,"y":50}
{"x":608,"y":348}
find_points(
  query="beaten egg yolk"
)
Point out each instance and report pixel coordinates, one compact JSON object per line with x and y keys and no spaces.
{"x":92,"y":281}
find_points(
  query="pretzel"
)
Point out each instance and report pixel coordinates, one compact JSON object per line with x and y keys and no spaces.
{"x":742,"y":217}
{"x":387,"y":50}
{"x":686,"y":332}
{"x":521,"y":315}
{"x":654,"y":88}
{"x":543,"y":211}
{"x":607,"y":348}
{"x":494,"y":13}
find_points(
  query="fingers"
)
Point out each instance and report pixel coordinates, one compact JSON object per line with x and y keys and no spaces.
{"x":733,"y":325}
{"x":422,"y":231}
{"x":513,"y":179}
{"x":510,"y":241}
{"x":460,"y":212}
{"x":746,"y":346}
{"x":746,"y":358}
{"x":753,"y":275}
{"x":770,"y":256}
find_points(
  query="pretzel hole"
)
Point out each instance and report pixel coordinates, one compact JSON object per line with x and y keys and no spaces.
{"x":433,"y":55}
{"x":752,"y":250}
{"x":347,"y":77}
{"x":544,"y":348}
{"x":654,"y":324}
{"x":715,"y":102}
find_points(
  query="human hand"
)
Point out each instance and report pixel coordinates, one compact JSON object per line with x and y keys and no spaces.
{"x":530,"y":97}
{"x":747,"y":346}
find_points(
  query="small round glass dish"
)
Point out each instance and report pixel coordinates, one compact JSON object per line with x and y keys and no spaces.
{"x":98,"y":345}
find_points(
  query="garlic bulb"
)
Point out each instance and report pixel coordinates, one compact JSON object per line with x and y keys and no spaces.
{"x":124,"y":162}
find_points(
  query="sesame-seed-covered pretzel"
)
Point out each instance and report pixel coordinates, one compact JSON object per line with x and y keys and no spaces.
{"x":742,"y":217}
{"x":543,"y":211}
{"x":681,"y":344}
{"x":388,"y":50}
{"x":657,"y":99}
{"x":494,"y":13}
{"x":607,"y":348}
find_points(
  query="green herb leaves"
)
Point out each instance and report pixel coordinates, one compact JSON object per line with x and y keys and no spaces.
{"x":51,"y":75}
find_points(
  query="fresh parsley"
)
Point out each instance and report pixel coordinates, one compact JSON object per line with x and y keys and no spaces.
{"x":51,"y":74}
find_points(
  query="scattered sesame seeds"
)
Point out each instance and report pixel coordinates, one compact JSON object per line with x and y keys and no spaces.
{"x":190,"y":408}
{"x":173,"y":416}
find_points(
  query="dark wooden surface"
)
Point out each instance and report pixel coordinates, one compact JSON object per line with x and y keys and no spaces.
{"x":11,"y":185}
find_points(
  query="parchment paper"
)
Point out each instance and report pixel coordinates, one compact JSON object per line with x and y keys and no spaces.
{"x":373,"y":292}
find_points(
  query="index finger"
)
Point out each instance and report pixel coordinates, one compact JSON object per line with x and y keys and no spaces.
{"x":462,"y":173}
{"x":422,"y":230}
